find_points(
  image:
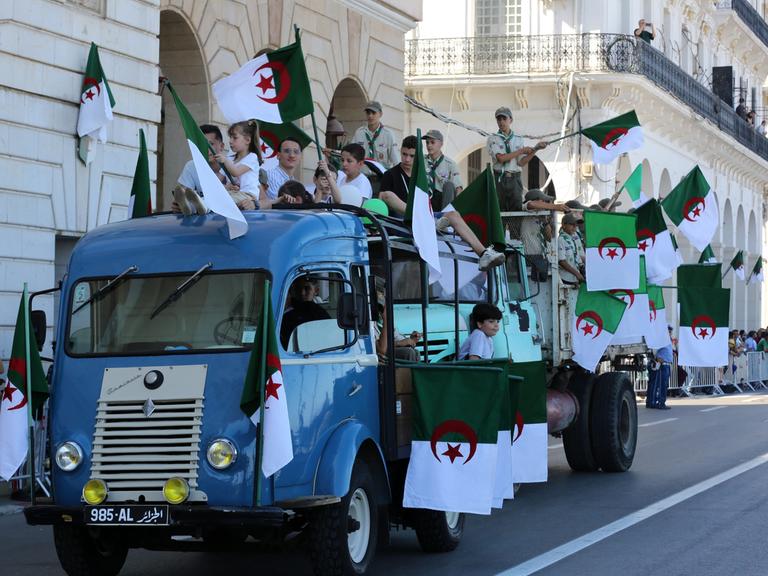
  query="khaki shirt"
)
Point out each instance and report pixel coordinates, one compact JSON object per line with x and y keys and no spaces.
{"x":566,"y":250}
{"x":495,"y":144}
{"x":447,"y":171}
{"x":386,"y":148}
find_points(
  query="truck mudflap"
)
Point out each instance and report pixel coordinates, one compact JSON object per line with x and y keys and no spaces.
{"x":177,"y":516}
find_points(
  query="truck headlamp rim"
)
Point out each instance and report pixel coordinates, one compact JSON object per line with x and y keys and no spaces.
{"x":221,"y":453}
{"x":69,"y":456}
{"x":95,"y":491}
{"x":176,"y":490}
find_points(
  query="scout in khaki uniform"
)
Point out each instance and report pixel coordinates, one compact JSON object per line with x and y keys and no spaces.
{"x":377,"y":140}
{"x":442,"y":172}
{"x":509,"y":155}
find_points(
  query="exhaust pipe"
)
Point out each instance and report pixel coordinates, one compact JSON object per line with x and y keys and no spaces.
{"x":562,"y":410}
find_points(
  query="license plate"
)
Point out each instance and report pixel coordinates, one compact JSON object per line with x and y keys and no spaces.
{"x":127,"y":515}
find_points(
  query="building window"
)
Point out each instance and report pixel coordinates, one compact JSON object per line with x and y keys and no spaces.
{"x":473,"y":164}
{"x":498,"y":17}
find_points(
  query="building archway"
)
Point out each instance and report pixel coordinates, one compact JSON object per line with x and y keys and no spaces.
{"x":646,"y":184}
{"x":665,"y":184}
{"x":181,"y":61}
{"x":727,"y":235}
{"x":347,"y":105}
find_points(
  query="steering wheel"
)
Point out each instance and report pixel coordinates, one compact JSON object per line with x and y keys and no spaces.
{"x":230,"y":330}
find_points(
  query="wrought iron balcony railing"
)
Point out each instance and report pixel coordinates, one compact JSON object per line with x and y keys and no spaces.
{"x":749,"y":15}
{"x":592,"y":52}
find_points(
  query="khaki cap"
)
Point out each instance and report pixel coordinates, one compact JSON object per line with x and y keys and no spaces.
{"x":434,"y":134}
{"x":373,"y":105}
{"x":503,"y":111}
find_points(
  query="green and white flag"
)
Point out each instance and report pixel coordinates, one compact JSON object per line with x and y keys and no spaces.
{"x":96,"y":100}
{"x":657,"y":335}
{"x":703,"y":337}
{"x":456,"y":419}
{"x":14,"y":409}
{"x":692,"y":207}
{"x":613,"y":260}
{"x":613,"y":137}
{"x":654,"y":241}
{"x":273,"y":87}
{"x":272,"y":134}
{"x":529,"y":440}
{"x":419,"y":213}
{"x":217,"y":198}
{"x":278,"y":445}
{"x":738,"y":264}
{"x":633,"y":187}
{"x":700,"y":275}
{"x":635,"y":322}
{"x":757,"y":271}
{"x":596,"y":319}
{"x":707,"y":256}
{"x":140,"y":202}
{"x":478,"y":205}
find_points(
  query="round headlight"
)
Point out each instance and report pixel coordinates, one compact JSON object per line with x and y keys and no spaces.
{"x":69,"y":456}
{"x":95,"y":491}
{"x":221,"y":453}
{"x":176,"y":490}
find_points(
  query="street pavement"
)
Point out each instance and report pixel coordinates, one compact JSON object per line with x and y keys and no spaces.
{"x":694,"y":502}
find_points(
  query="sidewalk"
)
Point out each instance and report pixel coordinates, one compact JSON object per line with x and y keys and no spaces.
{"x":8,"y":506}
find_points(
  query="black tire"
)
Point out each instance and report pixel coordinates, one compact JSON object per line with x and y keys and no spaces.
{"x":435,"y":532}
{"x":614,"y":422}
{"x":577,"y":438}
{"x":332,"y":552}
{"x":82,"y":553}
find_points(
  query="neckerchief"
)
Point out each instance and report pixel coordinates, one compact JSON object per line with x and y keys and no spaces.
{"x":372,"y":141}
{"x":506,"y":140}
{"x":433,"y":169}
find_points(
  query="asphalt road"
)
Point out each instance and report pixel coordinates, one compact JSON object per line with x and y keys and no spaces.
{"x":694,"y":502}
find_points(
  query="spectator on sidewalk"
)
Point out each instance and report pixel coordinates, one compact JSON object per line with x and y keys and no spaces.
{"x":750,"y":344}
{"x":658,"y":379}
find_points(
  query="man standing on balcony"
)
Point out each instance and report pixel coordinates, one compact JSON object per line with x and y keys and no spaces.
{"x":509,"y":156}
{"x":442,"y":172}
{"x":642,"y":31}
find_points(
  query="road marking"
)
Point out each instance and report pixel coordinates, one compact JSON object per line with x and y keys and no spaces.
{"x":657,"y":422}
{"x":753,"y":399}
{"x":713,"y":408}
{"x":555,"y":446}
{"x":570,"y":548}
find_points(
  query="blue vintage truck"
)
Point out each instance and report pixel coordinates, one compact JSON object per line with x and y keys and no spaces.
{"x":157,"y":320}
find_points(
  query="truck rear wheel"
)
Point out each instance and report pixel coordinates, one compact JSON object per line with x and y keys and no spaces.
{"x":342,"y":537}
{"x":438,"y":531}
{"x":82,"y":552}
{"x":577,"y":438}
{"x":614,"y":422}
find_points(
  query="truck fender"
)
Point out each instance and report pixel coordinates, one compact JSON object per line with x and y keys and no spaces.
{"x":334,"y":470}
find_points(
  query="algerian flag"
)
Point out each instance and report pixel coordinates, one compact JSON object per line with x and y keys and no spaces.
{"x":140,"y":202}
{"x":456,"y":418}
{"x":419,"y":213}
{"x":613,"y":260}
{"x":278,"y":446}
{"x":738,"y":264}
{"x":655,"y":242}
{"x":596,"y":319}
{"x":14,"y":424}
{"x":273,"y":87}
{"x":635,"y":322}
{"x":678,"y":254}
{"x":217,"y":198}
{"x":478,"y":205}
{"x":693,"y":209}
{"x":707,"y":256}
{"x":529,"y":441}
{"x":700,"y":275}
{"x":633,"y":187}
{"x":757,"y":271}
{"x":615,"y":136}
{"x":657,"y":335}
{"x":96,"y":100}
{"x":703,"y":337}
{"x":272,"y":134}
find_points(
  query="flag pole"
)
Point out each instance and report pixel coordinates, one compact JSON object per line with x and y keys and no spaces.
{"x":311,"y":114}
{"x":265,"y":310}
{"x":563,"y":137}
{"x":30,"y":415}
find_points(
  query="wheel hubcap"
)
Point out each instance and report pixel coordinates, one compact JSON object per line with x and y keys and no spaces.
{"x":360,"y":517}
{"x":452,"y":519}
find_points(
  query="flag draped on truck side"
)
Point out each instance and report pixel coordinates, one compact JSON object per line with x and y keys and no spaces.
{"x":703,"y":335}
{"x":612,"y":256}
{"x":529,"y":437}
{"x":595,"y":321}
{"x":635,"y":321}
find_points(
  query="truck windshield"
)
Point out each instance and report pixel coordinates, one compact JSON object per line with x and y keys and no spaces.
{"x":220,"y":310}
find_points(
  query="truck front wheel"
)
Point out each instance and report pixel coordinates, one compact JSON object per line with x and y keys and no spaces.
{"x":342,"y":537}
{"x":83,"y":552}
{"x":614,"y":422}
{"x":438,"y":531}
{"x":577,"y":438}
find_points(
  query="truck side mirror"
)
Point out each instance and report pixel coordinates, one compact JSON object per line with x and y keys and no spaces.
{"x":37,"y":319}
{"x":351,"y":312}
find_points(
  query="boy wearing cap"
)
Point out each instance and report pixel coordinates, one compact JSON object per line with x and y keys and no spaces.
{"x":442,"y":172}
{"x":509,"y":155}
{"x":377,"y":140}
{"x":567,"y":252}
{"x":536,"y":232}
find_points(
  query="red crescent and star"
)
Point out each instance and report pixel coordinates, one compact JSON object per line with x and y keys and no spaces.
{"x":703,"y":332}
{"x":693,"y":207}
{"x":613,"y":251}
{"x":612,"y":138}
{"x":588,"y":328}
{"x":266,"y":83}
{"x":459,"y":427}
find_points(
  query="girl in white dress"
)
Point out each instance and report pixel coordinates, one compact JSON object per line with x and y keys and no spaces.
{"x":245,"y":158}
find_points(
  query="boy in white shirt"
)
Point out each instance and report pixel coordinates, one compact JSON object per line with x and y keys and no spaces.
{"x":479,"y":345}
{"x":352,"y":156}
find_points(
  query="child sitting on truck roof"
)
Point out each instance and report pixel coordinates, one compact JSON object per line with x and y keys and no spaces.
{"x":479,"y":345}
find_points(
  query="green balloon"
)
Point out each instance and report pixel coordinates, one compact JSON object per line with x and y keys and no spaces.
{"x":376,"y":206}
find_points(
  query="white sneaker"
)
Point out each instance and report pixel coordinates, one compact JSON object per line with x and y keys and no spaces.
{"x":198,"y":206}
{"x":443,"y":224}
{"x":180,"y":197}
{"x":489,"y":259}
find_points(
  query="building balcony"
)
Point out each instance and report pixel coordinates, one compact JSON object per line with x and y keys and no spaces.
{"x":471,"y":58}
{"x":749,"y":16}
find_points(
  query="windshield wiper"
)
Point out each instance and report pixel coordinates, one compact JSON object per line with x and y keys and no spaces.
{"x":180,"y":289}
{"x":108,"y":287}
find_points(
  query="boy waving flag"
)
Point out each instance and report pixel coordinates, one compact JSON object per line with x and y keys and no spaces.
{"x":419,"y":213}
{"x":96,"y":100}
{"x":692,"y":207}
{"x":613,"y":259}
{"x":615,"y":136}
{"x":703,"y":336}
